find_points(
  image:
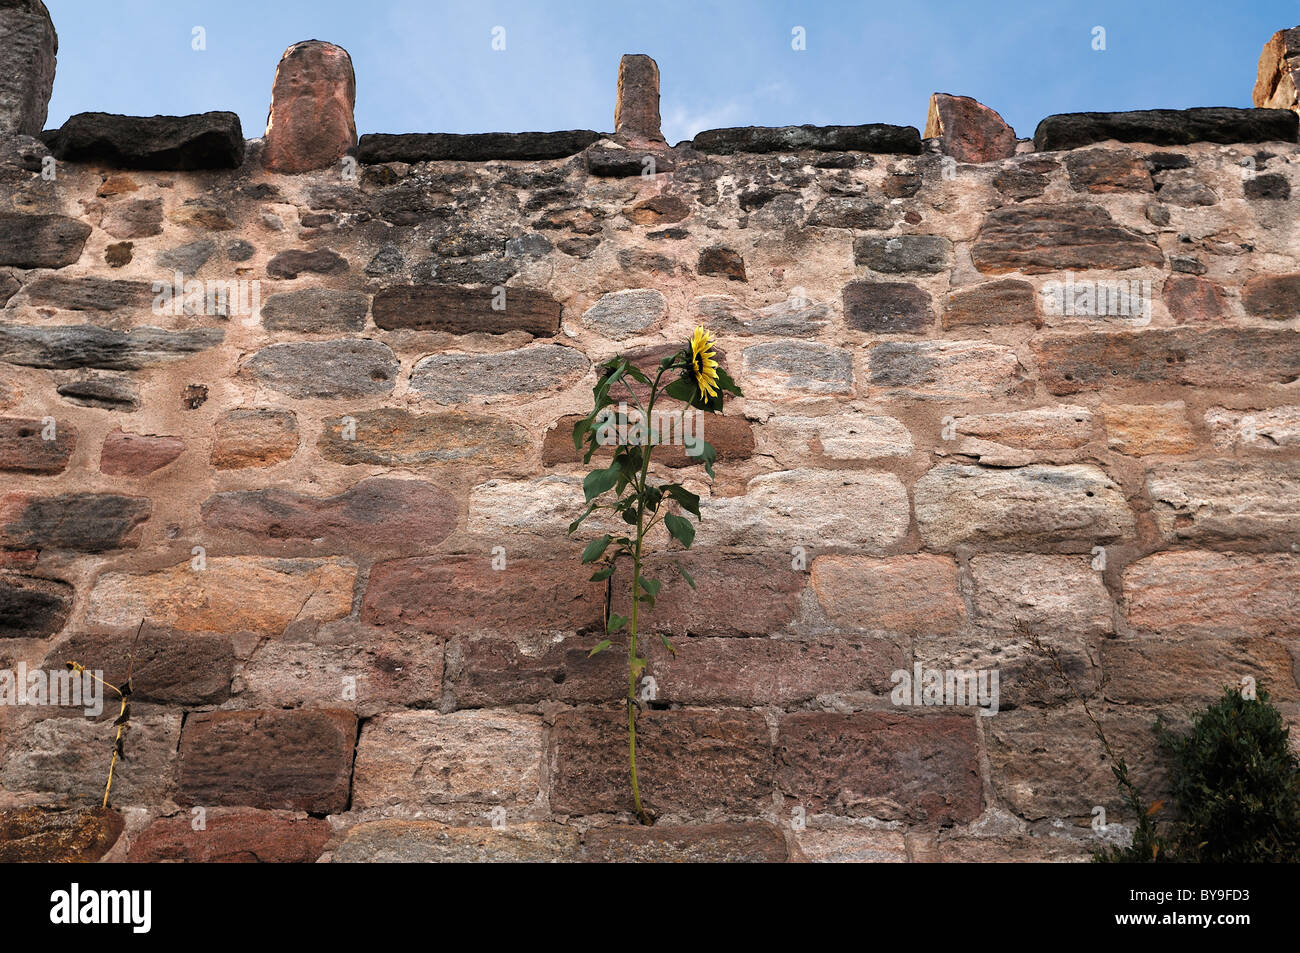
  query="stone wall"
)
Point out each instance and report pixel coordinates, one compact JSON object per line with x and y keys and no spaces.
{"x":342,"y":516}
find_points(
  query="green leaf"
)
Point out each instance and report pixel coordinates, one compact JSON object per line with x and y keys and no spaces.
{"x":580,"y":432}
{"x":600,"y":575}
{"x":637,"y":374}
{"x":683,"y":389}
{"x":651,"y":589}
{"x":682,"y":529}
{"x":672,"y":650}
{"x":595,"y":549}
{"x":636,"y":666}
{"x":598,"y":481}
{"x":687,"y":500}
{"x":690,"y":580}
{"x":615,"y":623}
{"x":600,"y":647}
{"x":578,"y":522}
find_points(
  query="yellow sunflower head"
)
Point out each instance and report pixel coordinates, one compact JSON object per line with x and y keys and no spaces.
{"x":703,"y":366}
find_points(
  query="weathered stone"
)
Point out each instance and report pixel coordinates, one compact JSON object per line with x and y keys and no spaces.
{"x":1023,"y":436}
{"x":731,"y":437}
{"x":391,"y":436}
{"x":793,"y":439}
{"x":812,"y":508}
{"x":205,"y":214}
{"x":492,"y":272}
{"x":376,"y":514}
{"x":134,"y":454}
{"x":90,"y":294}
{"x":288,"y":760}
{"x":945,"y":370}
{"x":623,"y":314}
{"x":459,"y":378}
{"x":429,"y":842}
{"x":657,"y":210}
{"x":783,"y":368}
{"x":166,"y":667}
{"x":138,"y":218}
{"x":688,"y":760}
{"x":1048,"y":593}
{"x":473,"y":147}
{"x":463,"y":310}
{"x":851,"y":845}
{"x":240,"y":250}
{"x":903,"y":254}
{"x":624,"y":163}
{"x":1276,"y":297}
{"x":25,"y":449}
{"x":1018,"y":183}
{"x":1034,"y":239}
{"x":905,"y":594}
{"x":212,"y":140}
{"x":793,"y":317}
{"x":968,"y":130}
{"x":472,"y":759}
{"x":772,"y":590}
{"x":887,"y":307}
{"x":107,"y":391}
{"x":1007,"y":301}
{"x":232,"y":594}
{"x":295,"y":261}
{"x":27,"y":68}
{"x":83,"y":345}
{"x":490,"y":672}
{"x":1276,"y":82}
{"x":41,"y":241}
{"x":850,"y":211}
{"x":51,"y":836}
{"x":79,"y":522}
{"x":310,"y":124}
{"x":1194,"y":671}
{"x":315,"y":311}
{"x":636,"y":112}
{"x":254,"y":437}
{"x":881,"y":764}
{"x":876,"y":137}
{"x":1074,"y":504}
{"x":1214,"y":594}
{"x":1138,"y":430}
{"x":455,"y":595}
{"x":721,"y":262}
{"x":33,"y":608}
{"x":1186,"y":192}
{"x":343,"y":368}
{"x":1191,"y":300}
{"x":1166,"y":127}
{"x":65,"y":758}
{"x":366,"y":670}
{"x":760,"y":672}
{"x":232,"y":837}
{"x":1272,"y":187}
{"x":1109,"y":170}
{"x":1223,"y":499}
{"x":703,"y":844}
{"x":1273,"y":429}
{"x":1010,"y":848}
{"x":189,"y":258}
{"x":1244,"y":357}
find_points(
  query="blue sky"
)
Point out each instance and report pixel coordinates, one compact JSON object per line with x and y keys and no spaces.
{"x":428,"y":65}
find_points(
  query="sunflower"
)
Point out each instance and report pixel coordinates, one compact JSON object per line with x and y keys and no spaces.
{"x":703,"y":367}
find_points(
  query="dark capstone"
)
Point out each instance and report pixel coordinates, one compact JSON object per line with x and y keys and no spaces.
{"x":41,"y":241}
{"x":887,"y":307}
{"x":876,"y":137}
{"x":1167,"y":127}
{"x":291,"y":263}
{"x":624,"y":163}
{"x":212,"y":140}
{"x":387,"y":261}
{"x":90,"y":294}
{"x":240,"y":250}
{"x":79,"y":522}
{"x":475,"y":147}
{"x":106,"y":391}
{"x":32,"y":608}
{"x":83,"y":345}
{"x":315,"y":309}
{"x":1271,"y":186}
{"x":462,"y":310}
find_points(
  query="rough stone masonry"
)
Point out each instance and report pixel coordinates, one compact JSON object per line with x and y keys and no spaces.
{"x":302,"y":404}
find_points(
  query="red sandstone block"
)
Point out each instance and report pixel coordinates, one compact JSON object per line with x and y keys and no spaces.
{"x":238,"y":837}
